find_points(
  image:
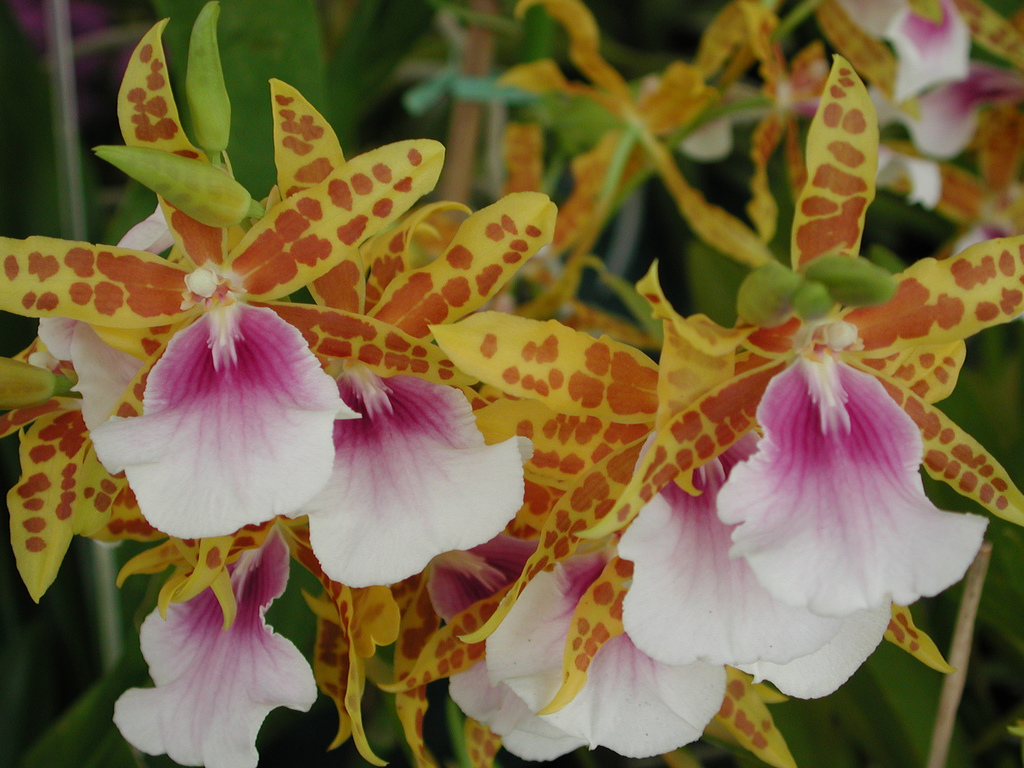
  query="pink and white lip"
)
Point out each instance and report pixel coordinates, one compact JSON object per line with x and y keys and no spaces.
{"x":411,"y":479}
{"x":830,"y":512}
{"x":214,"y":686}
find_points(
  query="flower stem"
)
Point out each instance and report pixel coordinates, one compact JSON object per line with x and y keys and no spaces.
{"x":959,"y":655}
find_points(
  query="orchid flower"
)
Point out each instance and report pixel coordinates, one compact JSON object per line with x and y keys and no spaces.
{"x":226,"y":359}
{"x":214,"y":686}
{"x":630,"y":703}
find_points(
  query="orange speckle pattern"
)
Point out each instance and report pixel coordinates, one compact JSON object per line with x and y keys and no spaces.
{"x":306,"y":149}
{"x":746,"y":717}
{"x":841,"y":164}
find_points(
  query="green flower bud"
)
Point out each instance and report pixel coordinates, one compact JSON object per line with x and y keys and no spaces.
{"x":204,"y":192}
{"x":23,"y":385}
{"x":812,"y":300}
{"x":852,"y":281}
{"x":766,"y":295}
{"x":204,"y":84}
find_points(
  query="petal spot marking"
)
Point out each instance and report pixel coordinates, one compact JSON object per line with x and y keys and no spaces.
{"x":43,"y":267}
{"x":350,"y":232}
{"x":403,"y":185}
{"x":35,"y":544}
{"x":340,"y":194}
{"x":460,"y":257}
{"x":81,"y":261}
{"x":382,"y":208}
{"x":846,"y":153}
{"x":47,"y":302}
{"x":415,"y":158}
{"x":11,"y":268}
{"x":854,"y":122}
{"x":361,"y":184}
{"x":494,"y":231}
{"x":382,"y":173}
{"x":832,"y":115}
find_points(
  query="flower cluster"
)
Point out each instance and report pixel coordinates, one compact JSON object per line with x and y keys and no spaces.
{"x":596,"y":548}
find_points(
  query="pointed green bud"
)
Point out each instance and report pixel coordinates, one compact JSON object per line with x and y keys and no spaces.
{"x":204,"y":192}
{"x":204,"y":84}
{"x":812,"y":300}
{"x":23,"y":385}
{"x":852,"y":281}
{"x":766,"y":295}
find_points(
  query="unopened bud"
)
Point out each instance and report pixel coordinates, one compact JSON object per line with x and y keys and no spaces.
{"x":765,"y":296}
{"x":23,"y":385}
{"x":853,"y":281}
{"x":204,"y":192}
{"x":812,"y":300}
{"x":204,"y":84}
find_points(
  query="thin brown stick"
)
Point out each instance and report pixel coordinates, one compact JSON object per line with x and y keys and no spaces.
{"x":959,"y":655}
{"x":464,"y":129}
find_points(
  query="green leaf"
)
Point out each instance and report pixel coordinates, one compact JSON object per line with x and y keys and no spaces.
{"x":83,"y":734}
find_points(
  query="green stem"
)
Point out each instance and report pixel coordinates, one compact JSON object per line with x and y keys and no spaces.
{"x":795,"y":17}
{"x":457,"y":733}
{"x":489,"y":21}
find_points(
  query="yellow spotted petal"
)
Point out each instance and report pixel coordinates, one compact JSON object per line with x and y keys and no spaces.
{"x":146,"y":109}
{"x":482,"y":744}
{"x":745,"y":716}
{"x":942,"y":301}
{"x":375,"y":619}
{"x":596,"y":620}
{"x":690,"y":439}
{"x":307,"y":234}
{"x":993,"y":31}
{"x":842,"y":158}
{"x":55,"y":498}
{"x":331,"y":663}
{"x":100,"y":284}
{"x":584,"y":43}
{"x":445,"y":653}
{"x":930,"y":372}
{"x":906,"y":635}
{"x":722,"y":37}
{"x":577,"y":510}
{"x":380,"y":346}
{"x":563,"y":446}
{"x":869,"y":55}
{"x":523,"y":151}
{"x":957,"y":459}
{"x":12,"y":421}
{"x":569,"y":371}
{"x":488,"y":247}
{"x":681,"y":95}
{"x":306,"y":149}
{"x":762,"y":208}
{"x":411,"y":708}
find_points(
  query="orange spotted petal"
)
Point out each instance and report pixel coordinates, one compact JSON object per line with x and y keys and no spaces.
{"x":152,"y":560}
{"x":584,"y":44}
{"x":381,"y":347}
{"x":12,"y":421}
{"x":962,"y":194}
{"x":482,"y":744}
{"x":745,"y":716}
{"x":569,"y":371}
{"x":411,"y":708}
{"x":993,"y":31}
{"x":868,"y":54}
{"x":523,"y":151}
{"x":488,"y":247}
{"x":842,"y":158}
{"x":596,"y":620}
{"x":563,"y":446}
{"x":445,"y":653}
{"x":145,"y":105}
{"x":579,"y":509}
{"x":903,"y":633}
{"x":690,"y":439}
{"x":957,"y":459}
{"x":55,"y":497}
{"x":680,"y":96}
{"x":126,"y":520}
{"x":306,"y":149}
{"x":100,"y":284}
{"x":722,"y":38}
{"x":342,"y":286}
{"x":939,"y":302}
{"x":308,"y":233}
{"x":388,"y":254}
{"x":198,"y":243}
{"x":930,"y":372}
{"x":419,"y":622}
{"x":762,"y":208}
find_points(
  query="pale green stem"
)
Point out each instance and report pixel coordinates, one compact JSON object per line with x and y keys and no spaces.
{"x":64,"y":102}
{"x":795,"y":17}
{"x":959,"y":655}
{"x":73,"y":225}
